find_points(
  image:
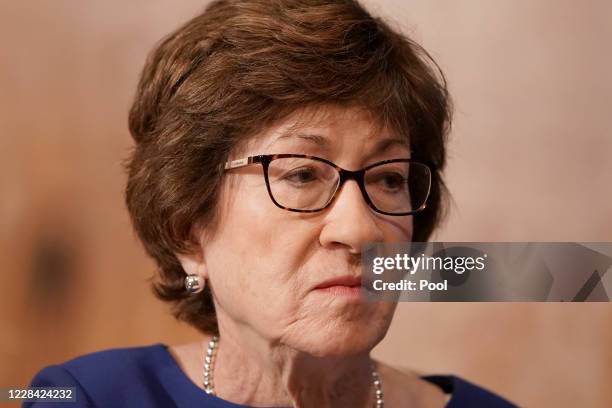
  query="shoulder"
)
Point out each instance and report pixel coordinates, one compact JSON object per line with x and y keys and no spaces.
{"x":467,"y":394}
{"x":122,"y":361}
{"x":106,"y":377}
{"x":436,"y":390}
{"x":118,"y":367}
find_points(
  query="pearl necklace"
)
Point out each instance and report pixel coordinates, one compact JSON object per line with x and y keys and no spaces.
{"x":209,"y":387}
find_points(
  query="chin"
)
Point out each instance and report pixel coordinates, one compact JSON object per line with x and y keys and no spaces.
{"x":342,"y":340}
{"x":339,"y":330}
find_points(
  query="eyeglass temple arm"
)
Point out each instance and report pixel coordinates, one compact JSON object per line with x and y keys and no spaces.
{"x":245,"y":161}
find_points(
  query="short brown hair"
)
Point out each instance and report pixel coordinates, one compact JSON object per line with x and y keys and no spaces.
{"x":241,"y":65}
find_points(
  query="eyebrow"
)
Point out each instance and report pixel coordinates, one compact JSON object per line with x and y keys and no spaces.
{"x":310,"y":137}
{"x":388,"y":142}
{"x":323,"y":142}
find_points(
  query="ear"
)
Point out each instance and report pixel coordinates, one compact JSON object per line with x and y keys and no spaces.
{"x":192,"y":260}
{"x":193,"y":263}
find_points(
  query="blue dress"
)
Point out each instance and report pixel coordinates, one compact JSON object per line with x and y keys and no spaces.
{"x":150,"y":377}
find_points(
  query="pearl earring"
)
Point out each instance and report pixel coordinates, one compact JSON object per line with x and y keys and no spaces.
{"x":194,"y":283}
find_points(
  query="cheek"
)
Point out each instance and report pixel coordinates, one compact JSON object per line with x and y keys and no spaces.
{"x":396,"y":229}
{"x":254,"y":263}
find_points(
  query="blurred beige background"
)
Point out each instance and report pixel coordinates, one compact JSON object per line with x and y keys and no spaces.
{"x":530,"y":160}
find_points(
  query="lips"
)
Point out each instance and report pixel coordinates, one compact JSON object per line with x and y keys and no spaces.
{"x":347,"y":281}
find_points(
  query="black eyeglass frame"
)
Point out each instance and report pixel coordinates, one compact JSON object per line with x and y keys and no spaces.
{"x":345,"y":175}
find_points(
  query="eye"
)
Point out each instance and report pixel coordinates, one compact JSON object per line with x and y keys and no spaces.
{"x":391,"y":181}
{"x":302,"y":175}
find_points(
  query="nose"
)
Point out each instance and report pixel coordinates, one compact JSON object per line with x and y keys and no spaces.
{"x":349,"y":221}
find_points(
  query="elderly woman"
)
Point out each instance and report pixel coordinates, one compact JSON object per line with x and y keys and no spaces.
{"x":273,"y":140}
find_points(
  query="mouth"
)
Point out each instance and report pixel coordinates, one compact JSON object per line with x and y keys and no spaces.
{"x":345,"y":286}
{"x":346,"y":280}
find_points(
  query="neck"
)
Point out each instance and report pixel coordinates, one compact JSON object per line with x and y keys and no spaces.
{"x":253,"y":371}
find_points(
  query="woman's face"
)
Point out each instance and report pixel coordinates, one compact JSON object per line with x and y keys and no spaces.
{"x":265,"y":263}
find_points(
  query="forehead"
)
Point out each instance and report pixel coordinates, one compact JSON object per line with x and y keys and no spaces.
{"x":328,"y":128}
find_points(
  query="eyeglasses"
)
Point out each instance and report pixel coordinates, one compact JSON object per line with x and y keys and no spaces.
{"x":302,"y":183}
